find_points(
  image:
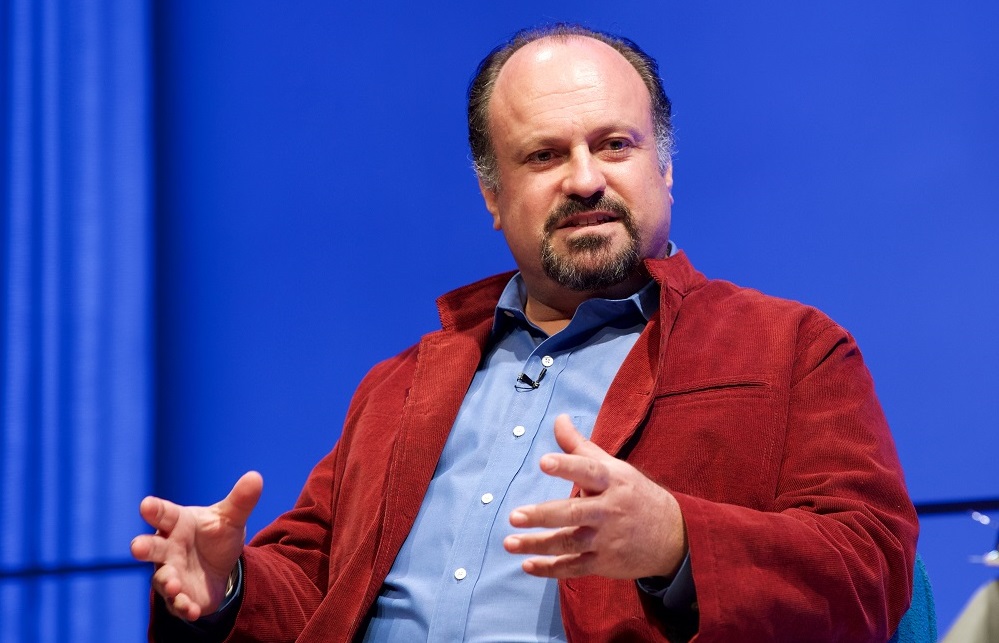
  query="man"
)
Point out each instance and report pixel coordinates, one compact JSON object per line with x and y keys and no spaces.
{"x":605,"y":445}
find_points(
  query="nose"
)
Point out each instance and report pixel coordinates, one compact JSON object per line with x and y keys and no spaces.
{"x":583,"y":175}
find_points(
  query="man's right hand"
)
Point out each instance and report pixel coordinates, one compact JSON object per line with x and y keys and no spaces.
{"x":196,"y":548}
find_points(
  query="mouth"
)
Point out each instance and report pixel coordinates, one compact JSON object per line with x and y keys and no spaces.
{"x":587,"y":220}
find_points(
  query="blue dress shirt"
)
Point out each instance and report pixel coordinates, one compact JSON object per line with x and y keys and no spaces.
{"x":452,"y":579}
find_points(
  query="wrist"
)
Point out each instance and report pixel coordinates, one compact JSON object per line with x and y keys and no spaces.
{"x":674,"y":547}
{"x":226,"y":611}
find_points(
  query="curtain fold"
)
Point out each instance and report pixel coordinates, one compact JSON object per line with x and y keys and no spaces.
{"x":75,"y":316}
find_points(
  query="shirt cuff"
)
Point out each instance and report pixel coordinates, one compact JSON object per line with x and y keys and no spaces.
{"x":678,"y":594}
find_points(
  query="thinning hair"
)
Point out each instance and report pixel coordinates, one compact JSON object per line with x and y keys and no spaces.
{"x":480,"y":91}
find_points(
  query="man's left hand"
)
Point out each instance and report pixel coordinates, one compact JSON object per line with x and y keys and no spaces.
{"x":622,"y":525}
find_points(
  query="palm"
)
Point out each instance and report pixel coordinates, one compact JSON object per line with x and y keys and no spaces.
{"x":203,"y":548}
{"x":622,"y":525}
{"x":195,"y":548}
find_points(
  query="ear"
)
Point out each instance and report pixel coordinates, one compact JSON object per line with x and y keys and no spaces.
{"x":490,"y":197}
{"x":668,"y":180}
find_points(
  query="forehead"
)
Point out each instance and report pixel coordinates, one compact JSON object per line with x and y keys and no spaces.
{"x":575,"y":78}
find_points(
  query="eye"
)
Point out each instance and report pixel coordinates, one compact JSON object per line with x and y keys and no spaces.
{"x":617,"y":144}
{"x":541,"y":156}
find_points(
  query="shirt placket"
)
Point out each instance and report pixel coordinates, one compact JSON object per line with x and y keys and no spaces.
{"x":519,"y":427}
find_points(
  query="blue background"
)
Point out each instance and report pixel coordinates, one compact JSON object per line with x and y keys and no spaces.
{"x":314,"y":195}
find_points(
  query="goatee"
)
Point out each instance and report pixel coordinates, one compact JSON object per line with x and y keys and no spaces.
{"x":589,"y":263}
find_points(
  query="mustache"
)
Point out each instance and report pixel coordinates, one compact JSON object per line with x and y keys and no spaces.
{"x":572,"y":207}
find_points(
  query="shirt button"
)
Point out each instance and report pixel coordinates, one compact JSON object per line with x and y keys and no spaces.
{"x":519,"y":431}
{"x":547,"y":361}
{"x":487,"y":498}
{"x":508,"y":313}
{"x":460,"y":573}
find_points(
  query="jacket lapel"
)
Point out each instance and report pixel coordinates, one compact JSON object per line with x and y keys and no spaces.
{"x":632,"y":391}
{"x":445,"y":367}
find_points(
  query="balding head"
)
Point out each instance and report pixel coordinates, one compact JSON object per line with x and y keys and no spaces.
{"x":480,"y":92}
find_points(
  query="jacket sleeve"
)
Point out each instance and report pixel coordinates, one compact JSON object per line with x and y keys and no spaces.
{"x":831,"y":559}
{"x":286,"y":566}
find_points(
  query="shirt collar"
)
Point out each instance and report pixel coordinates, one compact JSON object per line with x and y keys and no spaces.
{"x":645,"y":302}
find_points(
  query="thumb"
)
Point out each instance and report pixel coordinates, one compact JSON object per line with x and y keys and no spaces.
{"x":572,"y":441}
{"x":239,"y":504}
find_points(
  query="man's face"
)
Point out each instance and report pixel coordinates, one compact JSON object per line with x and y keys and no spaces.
{"x":581,"y":198}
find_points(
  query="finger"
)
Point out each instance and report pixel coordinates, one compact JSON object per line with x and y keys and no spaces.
{"x":166,"y":582}
{"x":566,"y":435}
{"x":570,"y":540}
{"x":185,"y":608}
{"x":160,"y":514}
{"x":572,"y":441}
{"x":149,"y":548}
{"x":567,"y":566}
{"x":591,"y":474}
{"x":571,"y":512}
{"x":239,"y":504}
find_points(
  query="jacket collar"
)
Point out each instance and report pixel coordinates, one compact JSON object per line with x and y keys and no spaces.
{"x":467,"y":306}
{"x":676,"y":274}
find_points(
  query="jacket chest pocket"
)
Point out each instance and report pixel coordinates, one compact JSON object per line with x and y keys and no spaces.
{"x":719,"y":440}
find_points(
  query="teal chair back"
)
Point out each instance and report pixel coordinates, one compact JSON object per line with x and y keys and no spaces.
{"x":919,"y":624}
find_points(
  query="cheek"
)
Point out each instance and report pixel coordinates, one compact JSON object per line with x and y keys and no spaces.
{"x":657,"y":198}
{"x":524,"y":248}
{"x":653,"y":218}
{"x":526,"y":213}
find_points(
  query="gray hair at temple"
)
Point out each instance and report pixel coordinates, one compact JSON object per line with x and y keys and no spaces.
{"x":480,"y":90}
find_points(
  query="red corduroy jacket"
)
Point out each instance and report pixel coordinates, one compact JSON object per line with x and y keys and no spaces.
{"x":757,"y":413}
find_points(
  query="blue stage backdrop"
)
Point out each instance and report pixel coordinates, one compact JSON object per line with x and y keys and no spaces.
{"x":76,"y":369}
{"x":314,"y":195}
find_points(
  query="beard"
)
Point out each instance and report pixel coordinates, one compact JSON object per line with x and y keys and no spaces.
{"x":589,"y":263}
